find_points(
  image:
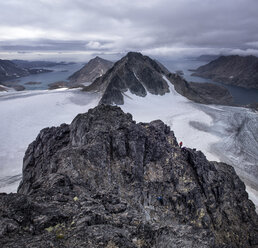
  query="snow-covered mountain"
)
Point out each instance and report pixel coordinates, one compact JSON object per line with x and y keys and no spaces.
{"x":93,"y":69}
{"x":223,"y":133}
{"x":141,"y":75}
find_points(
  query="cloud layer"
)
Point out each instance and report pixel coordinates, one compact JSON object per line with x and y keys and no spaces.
{"x":156,"y":27}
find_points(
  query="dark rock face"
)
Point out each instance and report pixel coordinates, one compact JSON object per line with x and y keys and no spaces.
{"x":205,"y":93}
{"x":93,"y":69}
{"x":235,"y":70}
{"x":96,"y":183}
{"x":137,"y":73}
{"x":140,"y":74}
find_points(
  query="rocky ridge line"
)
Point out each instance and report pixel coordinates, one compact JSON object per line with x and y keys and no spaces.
{"x":141,"y":76}
{"x":106,"y":181}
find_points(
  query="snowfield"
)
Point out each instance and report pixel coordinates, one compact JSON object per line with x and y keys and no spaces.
{"x":222,"y":133}
{"x":227,"y":134}
{"x":23,"y":115}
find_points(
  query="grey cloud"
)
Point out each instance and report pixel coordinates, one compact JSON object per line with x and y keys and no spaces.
{"x":51,"y":45}
{"x":116,"y":26}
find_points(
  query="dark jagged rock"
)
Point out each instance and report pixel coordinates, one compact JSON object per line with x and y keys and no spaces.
{"x":93,"y":69}
{"x":95,"y":183}
{"x":137,"y":73}
{"x":235,"y":70}
{"x":205,"y":93}
{"x":141,"y":75}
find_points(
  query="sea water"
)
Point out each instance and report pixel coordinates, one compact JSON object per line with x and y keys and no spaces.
{"x":240,"y":95}
{"x":59,"y":73}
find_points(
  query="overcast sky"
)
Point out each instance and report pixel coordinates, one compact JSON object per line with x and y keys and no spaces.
{"x":80,"y":29}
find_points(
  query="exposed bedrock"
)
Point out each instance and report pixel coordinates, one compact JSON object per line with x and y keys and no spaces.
{"x":106,"y":181}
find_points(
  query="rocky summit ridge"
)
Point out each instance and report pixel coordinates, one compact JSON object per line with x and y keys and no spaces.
{"x":140,"y":75}
{"x":95,"y":68}
{"x":133,"y":72}
{"x":107,"y":181}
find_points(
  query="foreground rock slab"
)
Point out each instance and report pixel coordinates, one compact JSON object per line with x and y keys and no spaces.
{"x":106,"y":181}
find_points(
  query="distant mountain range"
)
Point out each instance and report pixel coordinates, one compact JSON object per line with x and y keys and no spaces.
{"x":207,"y":57}
{"x":234,"y":70}
{"x":93,"y":69}
{"x":141,"y":76}
{"x":37,"y":64}
{"x":10,"y":70}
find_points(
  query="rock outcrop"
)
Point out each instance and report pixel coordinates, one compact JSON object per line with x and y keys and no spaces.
{"x":106,"y":181}
{"x":137,"y":73}
{"x":93,"y":69}
{"x":141,"y":75}
{"x":205,"y":93}
{"x":235,"y":70}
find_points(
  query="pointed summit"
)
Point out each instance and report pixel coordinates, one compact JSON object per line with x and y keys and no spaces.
{"x":140,"y":75}
{"x":137,"y":73}
{"x":93,"y":69}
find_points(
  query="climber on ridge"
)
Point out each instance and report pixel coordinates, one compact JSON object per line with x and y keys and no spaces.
{"x":180,"y":144}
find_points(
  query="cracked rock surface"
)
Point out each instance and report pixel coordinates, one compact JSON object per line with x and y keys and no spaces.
{"x":95,"y":183}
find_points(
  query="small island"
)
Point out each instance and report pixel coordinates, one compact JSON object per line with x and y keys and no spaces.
{"x":32,"y":83}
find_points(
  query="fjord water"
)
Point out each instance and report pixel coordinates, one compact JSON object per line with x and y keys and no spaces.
{"x":59,"y":73}
{"x":240,"y":95}
{"x":199,"y":126}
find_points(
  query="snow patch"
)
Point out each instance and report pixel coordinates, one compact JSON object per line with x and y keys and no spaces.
{"x":177,"y":112}
{"x":24,"y":114}
{"x":221,"y":133}
{"x":253,"y":196}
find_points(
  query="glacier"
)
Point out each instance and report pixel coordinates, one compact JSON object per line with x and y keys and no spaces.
{"x":222,"y":133}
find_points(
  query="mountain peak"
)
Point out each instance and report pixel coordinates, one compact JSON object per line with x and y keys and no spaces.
{"x":95,"y":68}
{"x":134,"y":55}
{"x":96,"y":58}
{"x":134,"y":72}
